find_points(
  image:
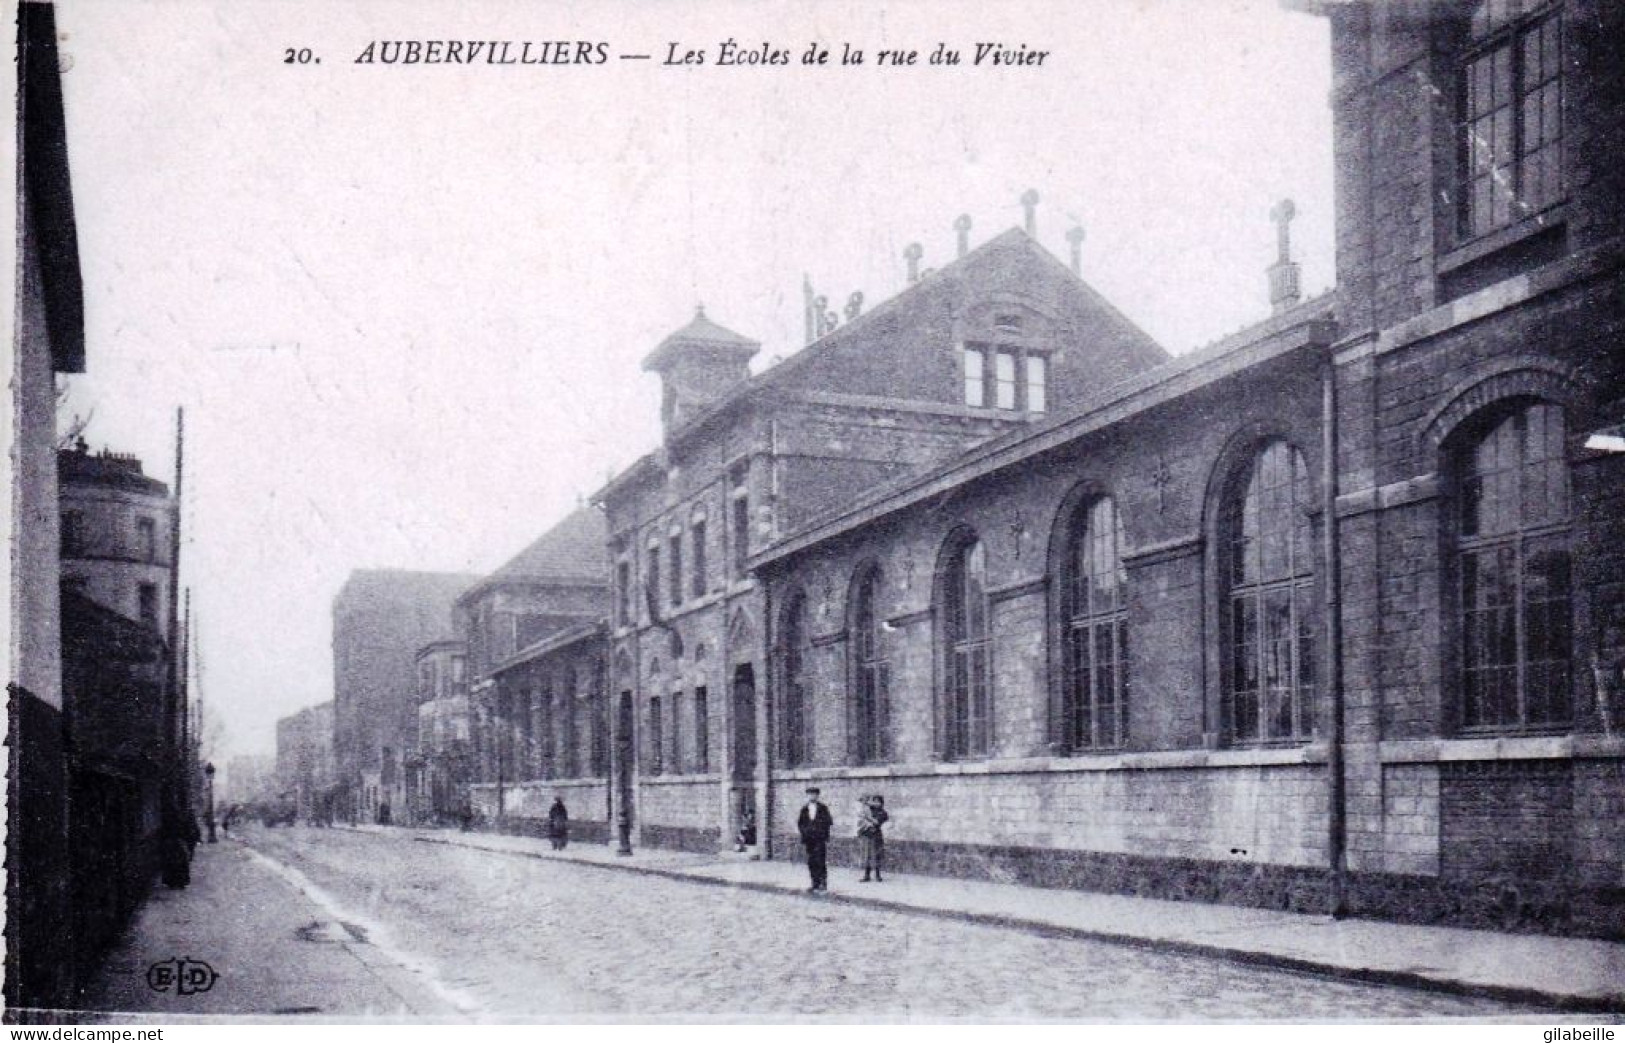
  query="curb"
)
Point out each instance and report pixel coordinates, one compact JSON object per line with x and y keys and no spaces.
{"x":1250,"y":957}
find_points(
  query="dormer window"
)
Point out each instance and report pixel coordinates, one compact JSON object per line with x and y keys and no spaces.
{"x":1010,"y":377}
{"x":1037,"y":383}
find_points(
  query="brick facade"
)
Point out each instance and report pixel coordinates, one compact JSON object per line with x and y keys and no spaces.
{"x":748,"y":459}
{"x":1290,"y":717}
{"x":1381,"y":796}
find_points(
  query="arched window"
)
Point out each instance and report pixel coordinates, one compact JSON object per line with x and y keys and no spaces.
{"x":796,"y":730}
{"x":1268,"y":580}
{"x":871,"y":673}
{"x":1095,"y":635}
{"x":968,"y":709}
{"x":1513,"y":558}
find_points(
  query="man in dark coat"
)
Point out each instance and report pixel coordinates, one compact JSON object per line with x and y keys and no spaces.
{"x":815,"y":822}
{"x":558,"y":824}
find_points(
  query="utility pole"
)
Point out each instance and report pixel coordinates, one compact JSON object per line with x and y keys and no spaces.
{"x":175,"y":855}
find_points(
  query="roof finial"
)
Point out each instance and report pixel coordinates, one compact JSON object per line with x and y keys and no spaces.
{"x":962,"y":226}
{"x":1283,"y":274}
{"x":912,"y":253}
{"x":1029,"y":203}
{"x":699,"y":311}
{"x":1074,"y":239}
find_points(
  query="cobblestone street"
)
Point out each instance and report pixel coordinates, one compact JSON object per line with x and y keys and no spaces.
{"x":502,"y":936}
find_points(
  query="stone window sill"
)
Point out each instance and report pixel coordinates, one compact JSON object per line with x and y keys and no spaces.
{"x":1504,"y":748}
{"x":678,"y":780}
{"x":1082,"y":762}
{"x":1494,"y":242}
{"x":530,"y":784}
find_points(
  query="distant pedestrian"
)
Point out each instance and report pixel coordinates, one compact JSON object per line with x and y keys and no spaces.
{"x":871,"y":835}
{"x":558,"y":824}
{"x":465,"y":816}
{"x":747,"y":831}
{"x":815,"y":822}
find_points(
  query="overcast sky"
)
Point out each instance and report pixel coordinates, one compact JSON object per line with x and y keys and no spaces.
{"x":405,"y":307}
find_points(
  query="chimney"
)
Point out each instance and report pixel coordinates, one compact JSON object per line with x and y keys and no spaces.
{"x":962,"y":226}
{"x":1283,"y":274}
{"x":1074,"y":239}
{"x":912,"y":253}
{"x":1029,"y":203}
{"x":807,"y":297}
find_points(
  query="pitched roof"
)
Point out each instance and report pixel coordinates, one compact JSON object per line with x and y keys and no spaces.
{"x":1310,"y":322}
{"x":700,"y":332}
{"x":784,"y":372}
{"x":405,"y":582}
{"x":571,"y":551}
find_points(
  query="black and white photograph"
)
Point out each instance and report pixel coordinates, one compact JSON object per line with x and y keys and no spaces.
{"x":817,"y":513}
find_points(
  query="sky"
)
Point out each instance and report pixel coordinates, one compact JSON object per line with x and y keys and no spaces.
{"x":405,"y":307}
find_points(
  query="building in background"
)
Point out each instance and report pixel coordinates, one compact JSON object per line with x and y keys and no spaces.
{"x":443,"y":762}
{"x":115,"y":534}
{"x":305,"y":767}
{"x":531,"y":628}
{"x":547,"y":735}
{"x":439,"y":768}
{"x":381,"y":618}
{"x":250,"y":778}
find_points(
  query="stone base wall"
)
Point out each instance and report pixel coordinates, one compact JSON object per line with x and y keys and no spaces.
{"x":679,"y":802}
{"x":1242,"y":813}
{"x":526,"y":804}
{"x":681,"y":838}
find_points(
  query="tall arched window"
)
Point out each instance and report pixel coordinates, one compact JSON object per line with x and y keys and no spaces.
{"x":1268,"y":579}
{"x":1513,"y":561}
{"x":796,"y":730}
{"x":968,"y":709}
{"x":871,"y":673}
{"x":1095,"y":638}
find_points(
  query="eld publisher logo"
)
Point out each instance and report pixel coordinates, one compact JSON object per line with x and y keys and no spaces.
{"x":183,"y":974}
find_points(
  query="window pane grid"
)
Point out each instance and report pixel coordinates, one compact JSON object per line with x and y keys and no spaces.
{"x":1271,"y":616}
{"x":1004,"y":378}
{"x":1514,"y":584}
{"x":1510,"y":120}
{"x":870,"y":683}
{"x":968,"y":725}
{"x":797,"y":646}
{"x":1096,"y":636}
{"x":975,"y":386}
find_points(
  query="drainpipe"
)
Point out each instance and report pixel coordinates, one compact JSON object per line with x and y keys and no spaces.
{"x":1337,"y":800}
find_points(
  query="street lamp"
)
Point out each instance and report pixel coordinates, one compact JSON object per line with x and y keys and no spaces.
{"x":208,"y":806}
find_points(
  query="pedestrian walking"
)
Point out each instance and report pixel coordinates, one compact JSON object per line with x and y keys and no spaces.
{"x":815,"y":822}
{"x":746,"y":837}
{"x":871,"y":835}
{"x":558,"y":824}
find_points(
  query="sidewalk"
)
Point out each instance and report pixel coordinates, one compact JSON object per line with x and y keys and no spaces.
{"x":277,"y":951}
{"x":1571,"y":973}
